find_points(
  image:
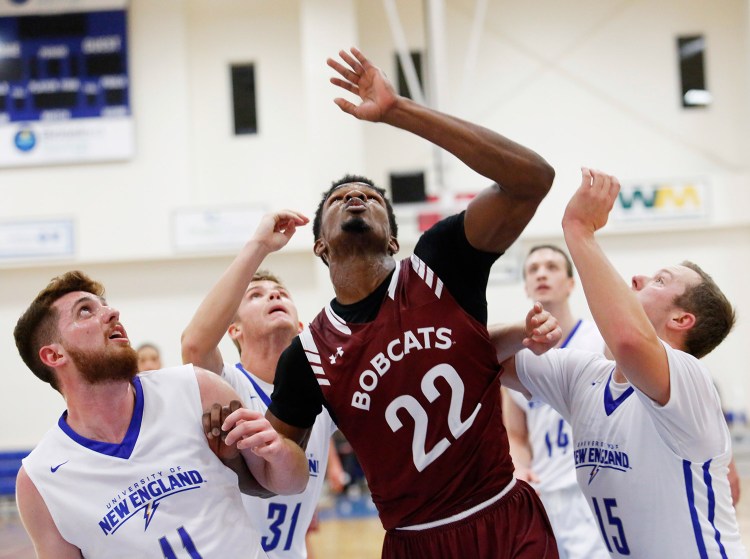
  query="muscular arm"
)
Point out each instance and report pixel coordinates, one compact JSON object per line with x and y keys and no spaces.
{"x":276,"y":465}
{"x":498,"y":215}
{"x":618,"y":314}
{"x":200,"y":340}
{"x":48,"y":543}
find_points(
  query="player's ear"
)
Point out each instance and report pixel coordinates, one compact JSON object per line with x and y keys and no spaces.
{"x":393,"y":246}
{"x":321,"y":250}
{"x":300,"y":326}
{"x":52,"y":355}
{"x":234,"y":331}
{"x":682,"y":320}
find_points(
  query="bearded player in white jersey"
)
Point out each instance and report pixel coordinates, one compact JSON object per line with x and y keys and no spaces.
{"x":127,"y":471}
{"x":651,"y":445}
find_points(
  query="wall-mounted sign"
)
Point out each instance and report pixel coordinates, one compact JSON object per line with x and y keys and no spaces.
{"x":662,"y":201}
{"x":37,"y":239}
{"x":64,"y":84}
{"x":197,"y":230}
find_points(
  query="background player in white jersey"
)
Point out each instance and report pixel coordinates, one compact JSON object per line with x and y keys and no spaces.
{"x":651,"y":445}
{"x":127,"y":471}
{"x":541,"y":442}
{"x":258,"y":313}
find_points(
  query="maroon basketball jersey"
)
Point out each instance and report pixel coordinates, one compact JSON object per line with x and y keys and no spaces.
{"x":417,"y":395}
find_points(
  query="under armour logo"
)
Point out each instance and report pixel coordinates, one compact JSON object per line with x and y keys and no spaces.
{"x":339,"y":353}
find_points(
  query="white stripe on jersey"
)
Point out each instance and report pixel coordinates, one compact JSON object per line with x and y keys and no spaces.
{"x":427,"y":275}
{"x":394,"y":281}
{"x":313,"y":356}
{"x":337,"y":322}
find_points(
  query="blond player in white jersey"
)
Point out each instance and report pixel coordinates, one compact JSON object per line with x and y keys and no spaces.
{"x":541,"y":442}
{"x":651,"y":446}
{"x":258,"y":314}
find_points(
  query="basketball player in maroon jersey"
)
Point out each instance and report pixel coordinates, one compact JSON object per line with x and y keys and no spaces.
{"x":401,"y":357}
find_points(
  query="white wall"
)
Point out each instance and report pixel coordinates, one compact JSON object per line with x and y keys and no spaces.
{"x":582,"y":82}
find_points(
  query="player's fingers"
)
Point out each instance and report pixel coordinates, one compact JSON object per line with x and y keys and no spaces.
{"x":345,"y":72}
{"x":345,"y":85}
{"x":213,"y":442}
{"x":215,"y":415}
{"x":350,"y":60}
{"x":260,"y":438}
{"x":346,"y":106}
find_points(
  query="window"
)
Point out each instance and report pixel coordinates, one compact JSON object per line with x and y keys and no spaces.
{"x":692,"y":72}
{"x":243,"y":99}
{"x":403,"y":88}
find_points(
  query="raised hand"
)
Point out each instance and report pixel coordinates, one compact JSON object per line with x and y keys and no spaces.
{"x":368,"y":82}
{"x":589,"y":207}
{"x":276,"y":228}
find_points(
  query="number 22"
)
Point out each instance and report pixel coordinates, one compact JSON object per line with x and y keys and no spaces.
{"x":457,"y":426}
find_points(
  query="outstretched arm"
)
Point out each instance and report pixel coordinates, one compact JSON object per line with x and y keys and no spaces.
{"x":200,"y":340}
{"x":618,"y":314}
{"x":522,"y":177}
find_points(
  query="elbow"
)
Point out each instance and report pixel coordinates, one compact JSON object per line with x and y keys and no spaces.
{"x":190,"y":348}
{"x":544,"y":177}
{"x":300,"y":483}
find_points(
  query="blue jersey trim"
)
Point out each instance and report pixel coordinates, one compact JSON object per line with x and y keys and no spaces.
{"x":572,"y":333}
{"x":712,"y":507}
{"x":258,"y":389}
{"x":116,"y":450}
{"x":610,"y":404}
{"x":688,"y":472}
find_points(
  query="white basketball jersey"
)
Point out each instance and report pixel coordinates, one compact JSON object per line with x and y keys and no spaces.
{"x":160,"y":493}
{"x":283,"y":520}
{"x":655,"y":476}
{"x":549,"y":434}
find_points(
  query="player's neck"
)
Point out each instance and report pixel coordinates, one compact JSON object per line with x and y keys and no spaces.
{"x":261,"y":357}
{"x":354,"y":279}
{"x":101,"y":412}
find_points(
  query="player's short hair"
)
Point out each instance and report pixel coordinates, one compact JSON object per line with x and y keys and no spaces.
{"x":568,"y":262}
{"x":714,"y":314}
{"x":259,"y":275}
{"x":37,"y":326}
{"x":346,"y":179}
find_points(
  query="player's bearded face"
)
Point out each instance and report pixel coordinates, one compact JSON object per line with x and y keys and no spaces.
{"x":103,"y":366}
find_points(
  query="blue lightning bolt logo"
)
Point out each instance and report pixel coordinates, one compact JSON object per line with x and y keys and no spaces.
{"x":148,"y":513}
{"x":593,"y":473}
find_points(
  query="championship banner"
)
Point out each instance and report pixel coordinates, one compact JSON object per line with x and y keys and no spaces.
{"x":64,"y":84}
